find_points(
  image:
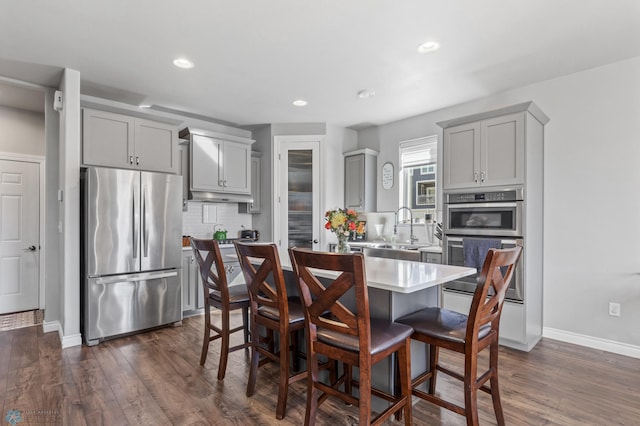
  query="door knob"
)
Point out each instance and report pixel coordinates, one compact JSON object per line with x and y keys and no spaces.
{"x":313,"y":241}
{"x":30,"y":248}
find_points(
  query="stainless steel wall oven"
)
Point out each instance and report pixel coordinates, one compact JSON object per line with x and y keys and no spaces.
{"x":474,"y":218}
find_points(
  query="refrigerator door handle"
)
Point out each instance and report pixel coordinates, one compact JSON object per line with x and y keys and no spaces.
{"x":145,"y":228}
{"x":134,"y":226}
{"x":135,"y":277}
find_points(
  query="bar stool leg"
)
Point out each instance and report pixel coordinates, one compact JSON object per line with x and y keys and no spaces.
{"x":207,"y":335}
{"x":224,"y":347}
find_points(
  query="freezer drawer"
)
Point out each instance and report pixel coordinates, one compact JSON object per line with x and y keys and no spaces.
{"x":121,"y":304}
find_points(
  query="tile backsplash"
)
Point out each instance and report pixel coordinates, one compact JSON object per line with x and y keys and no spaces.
{"x":200,"y":219}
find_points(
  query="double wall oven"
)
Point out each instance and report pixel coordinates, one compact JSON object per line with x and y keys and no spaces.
{"x":493,"y":215}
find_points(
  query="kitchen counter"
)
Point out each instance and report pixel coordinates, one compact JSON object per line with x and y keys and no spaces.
{"x":397,"y":276}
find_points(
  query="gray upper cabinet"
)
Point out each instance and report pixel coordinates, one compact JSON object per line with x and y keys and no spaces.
{"x":117,"y":140}
{"x":360,"y":180}
{"x":255,"y":207}
{"x":220,"y":166}
{"x":489,"y":149}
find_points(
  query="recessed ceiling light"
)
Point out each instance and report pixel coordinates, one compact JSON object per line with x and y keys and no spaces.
{"x":144,"y":106}
{"x":366,"y":93}
{"x":300,"y":102}
{"x":183,"y":63}
{"x":428,"y":46}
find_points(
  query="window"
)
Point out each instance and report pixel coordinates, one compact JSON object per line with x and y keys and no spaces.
{"x":418,"y":165}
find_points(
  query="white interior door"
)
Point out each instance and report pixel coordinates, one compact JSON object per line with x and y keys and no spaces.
{"x":19,"y":236}
{"x":297,"y":206}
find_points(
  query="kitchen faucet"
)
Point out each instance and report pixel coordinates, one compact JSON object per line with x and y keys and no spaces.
{"x":412,"y":238}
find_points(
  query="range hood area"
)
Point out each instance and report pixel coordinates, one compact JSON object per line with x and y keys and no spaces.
{"x":219,"y":166}
{"x":217,"y":197}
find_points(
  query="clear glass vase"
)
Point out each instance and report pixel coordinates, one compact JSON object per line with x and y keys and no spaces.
{"x":342,"y":246}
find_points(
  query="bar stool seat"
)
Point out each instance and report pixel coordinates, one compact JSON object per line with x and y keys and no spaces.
{"x":384,"y":334}
{"x":442,"y":324}
{"x":237,"y":295}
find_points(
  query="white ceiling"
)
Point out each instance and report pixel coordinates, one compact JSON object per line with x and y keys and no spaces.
{"x":254,"y":57}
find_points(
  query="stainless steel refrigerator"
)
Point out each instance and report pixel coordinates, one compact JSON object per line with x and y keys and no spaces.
{"x":131,"y":236}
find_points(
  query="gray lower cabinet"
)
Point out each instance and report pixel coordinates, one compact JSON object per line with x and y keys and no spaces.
{"x":118,"y":140}
{"x":360,"y":180}
{"x":429,"y":257}
{"x":192,"y":297}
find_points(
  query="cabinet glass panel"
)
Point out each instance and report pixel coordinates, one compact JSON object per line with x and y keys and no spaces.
{"x":300,"y":189}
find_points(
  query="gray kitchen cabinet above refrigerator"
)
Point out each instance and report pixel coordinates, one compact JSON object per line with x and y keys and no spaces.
{"x":121,"y":141}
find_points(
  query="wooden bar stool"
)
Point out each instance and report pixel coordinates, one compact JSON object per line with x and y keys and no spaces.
{"x":348,"y":336}
{"x":272,"y":309}
{"x":218,"y":294}
{"x":468,"y":335}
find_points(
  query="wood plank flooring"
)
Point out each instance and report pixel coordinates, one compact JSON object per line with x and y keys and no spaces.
{"x":155,"y":378}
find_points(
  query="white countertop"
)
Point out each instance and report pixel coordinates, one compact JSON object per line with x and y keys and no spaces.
{"x":403,"y":276}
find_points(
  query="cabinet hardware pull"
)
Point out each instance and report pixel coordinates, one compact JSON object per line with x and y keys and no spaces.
{"x":482,"y":177}
{"x":137,"y":160}
{"x":475,"y":177}
{"x":131,"y":159}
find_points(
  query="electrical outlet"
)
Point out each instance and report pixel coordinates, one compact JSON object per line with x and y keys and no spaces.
{"x":614,"y":309}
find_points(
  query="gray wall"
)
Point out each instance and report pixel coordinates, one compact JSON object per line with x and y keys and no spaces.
{"x":591,"y":200}
{"x":22,"y":131}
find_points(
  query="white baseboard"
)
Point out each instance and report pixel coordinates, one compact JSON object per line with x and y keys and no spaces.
{"x":592,"y":342}
{"x":73,"y":340}
{"x":66,"y":341}
{"x":50,"y":326}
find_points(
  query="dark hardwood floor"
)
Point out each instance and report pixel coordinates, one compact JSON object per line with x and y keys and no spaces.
{"x":155,"y":378}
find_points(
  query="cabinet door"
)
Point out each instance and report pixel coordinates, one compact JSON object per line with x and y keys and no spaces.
{"x":461,"y":156}
{"x":236,"y":166}
{"x":183,"y":149}
{"x":188,"y":282}
{"x":503,"y":150}
{"x":107,"y":139}
{"x":432,"y":257}
{"x":255,"y":185}
{"x":354,"y":182}
{"x":205,"y":164}
{"x":156,"y":147}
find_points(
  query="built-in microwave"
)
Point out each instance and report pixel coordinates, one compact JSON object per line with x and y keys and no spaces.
{"x":496,"y":213}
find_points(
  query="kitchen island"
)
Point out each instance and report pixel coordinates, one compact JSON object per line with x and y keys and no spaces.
{"x":396,"y":288}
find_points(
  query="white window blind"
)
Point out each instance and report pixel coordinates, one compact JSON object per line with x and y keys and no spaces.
{"x":419,"y":151}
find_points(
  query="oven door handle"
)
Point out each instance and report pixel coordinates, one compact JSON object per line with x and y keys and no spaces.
{"x":481,"y":205}
{"x":459,"y":240}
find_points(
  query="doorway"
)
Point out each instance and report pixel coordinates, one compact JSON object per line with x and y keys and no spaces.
{"x":297,"y":199}
{"x":19,"y":236}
